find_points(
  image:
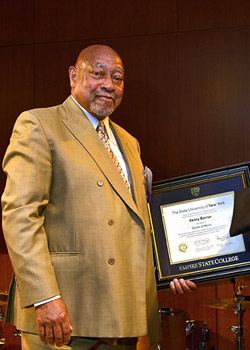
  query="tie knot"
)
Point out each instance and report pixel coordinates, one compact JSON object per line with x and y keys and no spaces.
{"x":101,"y":131}
{"x":100,"y":126}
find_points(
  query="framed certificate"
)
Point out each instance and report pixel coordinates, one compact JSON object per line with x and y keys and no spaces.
{"x":190,"y":219}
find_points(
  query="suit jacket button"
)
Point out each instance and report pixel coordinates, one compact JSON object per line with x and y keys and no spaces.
{"x":100,"y":183}
{"x":111,"y":261}
{"x":111,"y":222}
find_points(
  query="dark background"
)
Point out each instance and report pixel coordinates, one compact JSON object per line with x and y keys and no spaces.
{"x":187,"y":65}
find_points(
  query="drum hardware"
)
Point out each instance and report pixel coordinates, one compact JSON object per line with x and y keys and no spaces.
{"x":173,"y":322}
{"x":197,"y":335}
{"x":239,"y":304}
{"x":17,"y":334}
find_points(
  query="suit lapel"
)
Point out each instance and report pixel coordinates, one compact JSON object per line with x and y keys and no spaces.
{"x":80,"y":127}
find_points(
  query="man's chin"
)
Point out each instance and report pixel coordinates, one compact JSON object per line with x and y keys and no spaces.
{"x":101,"y":111}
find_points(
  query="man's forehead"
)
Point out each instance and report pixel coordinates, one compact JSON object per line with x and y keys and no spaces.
{"x":105,"y":61}
{"x":114,"y":64}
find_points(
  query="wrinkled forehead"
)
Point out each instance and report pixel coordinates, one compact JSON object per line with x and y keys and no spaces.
{"x":113,"y":63}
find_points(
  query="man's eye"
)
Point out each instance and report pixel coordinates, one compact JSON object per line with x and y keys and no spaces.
{"x":118,"y":78}
{"x":97,"y":73}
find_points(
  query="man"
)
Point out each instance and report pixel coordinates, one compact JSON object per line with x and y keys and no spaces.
{"x":75,"y":219}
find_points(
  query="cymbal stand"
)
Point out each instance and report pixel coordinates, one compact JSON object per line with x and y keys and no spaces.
{"x":239,"y":330}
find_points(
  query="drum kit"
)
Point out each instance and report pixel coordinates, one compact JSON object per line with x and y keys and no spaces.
{"x":195,"y":334}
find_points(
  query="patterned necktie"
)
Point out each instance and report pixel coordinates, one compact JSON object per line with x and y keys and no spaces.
{"x":104,"y":137}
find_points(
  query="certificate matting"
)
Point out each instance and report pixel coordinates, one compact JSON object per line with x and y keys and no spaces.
{"x":190,"y":219}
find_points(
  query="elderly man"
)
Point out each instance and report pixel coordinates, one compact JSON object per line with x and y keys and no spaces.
{"x":75,"y":219}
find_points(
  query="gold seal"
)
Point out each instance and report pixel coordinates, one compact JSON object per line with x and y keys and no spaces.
{"x":183,"y":247}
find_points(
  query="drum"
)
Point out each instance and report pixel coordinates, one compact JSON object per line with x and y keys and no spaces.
{"x":173,"y":323}
{"x":197,"y":335}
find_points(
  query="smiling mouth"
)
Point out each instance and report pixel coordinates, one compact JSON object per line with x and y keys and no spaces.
{"x":105,"y":98}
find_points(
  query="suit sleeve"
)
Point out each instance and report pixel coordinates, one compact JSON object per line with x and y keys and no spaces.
{"x":28,"y":167}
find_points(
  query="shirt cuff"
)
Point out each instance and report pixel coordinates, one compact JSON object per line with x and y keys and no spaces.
{"x":46,"y":300}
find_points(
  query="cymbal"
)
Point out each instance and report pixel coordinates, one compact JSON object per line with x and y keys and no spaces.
{"x":230,"y":303}
{"x":3,"y":298}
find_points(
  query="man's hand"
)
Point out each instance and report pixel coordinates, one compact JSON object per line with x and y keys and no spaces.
{"x":53,"y":323}
{"x":181,"y":286}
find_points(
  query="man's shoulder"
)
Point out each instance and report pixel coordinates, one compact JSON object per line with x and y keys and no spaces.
{"x":52,"y":113}
{"x":43,"y":111}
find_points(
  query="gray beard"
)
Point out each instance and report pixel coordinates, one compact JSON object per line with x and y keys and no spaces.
{"x":101,"y":111}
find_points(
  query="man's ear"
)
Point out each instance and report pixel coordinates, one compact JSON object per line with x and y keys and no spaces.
{"x":72,"y":76}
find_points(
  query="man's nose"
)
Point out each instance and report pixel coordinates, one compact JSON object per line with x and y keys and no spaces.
{"x":108,"y":83}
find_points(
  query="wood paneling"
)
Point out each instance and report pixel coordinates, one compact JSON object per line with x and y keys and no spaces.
{"x":205,"y":14}
{"x":51,"y":72}
{"x":5,"y":273}
{"x":78,"y":20}
{"x":214,"y":98}
{"x":16,"y":22}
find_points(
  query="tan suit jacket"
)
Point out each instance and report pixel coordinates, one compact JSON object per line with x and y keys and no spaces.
{"x":72,"y":227}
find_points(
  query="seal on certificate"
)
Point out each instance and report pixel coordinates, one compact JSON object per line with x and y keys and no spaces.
{"x":183,"y":247}
{"x":195,"y":191}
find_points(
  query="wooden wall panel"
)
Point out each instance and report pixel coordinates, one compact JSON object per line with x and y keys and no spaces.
{"x":5,"y":273}
{"x":51,"y":72}
{"x":78,"y":20}
{"x":197,"y":15}
{"x":214,"y":98}
{"x":16,"y":22}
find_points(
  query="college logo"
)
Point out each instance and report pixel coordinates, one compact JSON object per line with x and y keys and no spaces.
{"x":195,"y":191}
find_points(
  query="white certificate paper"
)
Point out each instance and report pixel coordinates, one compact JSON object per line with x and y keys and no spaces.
{"x":199,"y":228}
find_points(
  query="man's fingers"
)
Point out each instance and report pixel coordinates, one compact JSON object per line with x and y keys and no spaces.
{"x":41,"y":333}
{"x":181,"y":286}
{"x":191,"y":284}
{"x":50,"y":335}
{"x":58,"y":335}
{"x":66,"y":331}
